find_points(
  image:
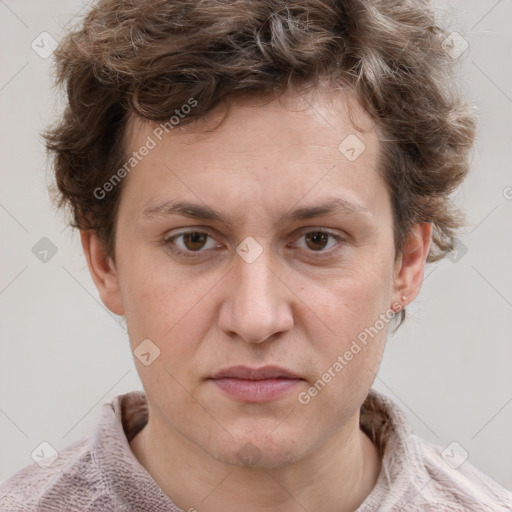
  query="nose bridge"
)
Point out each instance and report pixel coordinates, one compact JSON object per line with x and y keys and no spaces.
{"x":257,"y":305}
{"x":255,"y":279}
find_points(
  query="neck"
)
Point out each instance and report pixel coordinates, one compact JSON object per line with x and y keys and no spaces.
{"x":336,"y":477}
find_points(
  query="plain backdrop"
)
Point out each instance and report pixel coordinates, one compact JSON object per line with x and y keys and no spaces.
{"x":63,"y":354}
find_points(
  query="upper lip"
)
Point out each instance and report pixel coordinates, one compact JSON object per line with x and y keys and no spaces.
{"x":247,"y":373}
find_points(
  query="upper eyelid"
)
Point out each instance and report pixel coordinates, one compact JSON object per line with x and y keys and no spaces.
{"x":301,"y":232}
{"x":204,"y":231}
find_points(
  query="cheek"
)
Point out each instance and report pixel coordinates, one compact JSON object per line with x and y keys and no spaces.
{"x":165,"y":304}
{"x":354,"y":323}
{"x":351,"y":300}
{"x":146,"y":294}
{"x":353,"y":314}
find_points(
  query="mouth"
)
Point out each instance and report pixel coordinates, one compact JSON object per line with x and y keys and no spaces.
{"x":255,"y":385}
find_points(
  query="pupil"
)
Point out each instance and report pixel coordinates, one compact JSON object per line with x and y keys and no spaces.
{"x":317,"y":238}
{"x":197,"y":240}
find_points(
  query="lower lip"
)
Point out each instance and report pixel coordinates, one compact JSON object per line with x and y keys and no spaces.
{"x":254,"y":391}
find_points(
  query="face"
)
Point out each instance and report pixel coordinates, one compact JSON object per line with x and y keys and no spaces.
{"x":283,"y":257}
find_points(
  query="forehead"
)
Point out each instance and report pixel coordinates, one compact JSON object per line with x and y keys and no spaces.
{"x":326,"y":102}
{"x":278,"y":150}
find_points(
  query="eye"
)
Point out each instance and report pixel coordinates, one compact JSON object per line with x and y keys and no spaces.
{"x":189,"y":242}
{"x":318,"y":241}
{"x":192,"y":243}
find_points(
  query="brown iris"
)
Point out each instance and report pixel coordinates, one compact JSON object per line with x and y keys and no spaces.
{"x":194,"y":241}
{"x":316,"y":239}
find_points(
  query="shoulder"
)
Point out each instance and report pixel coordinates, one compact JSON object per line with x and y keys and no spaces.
{"x":418,"y":475}
{"x":450,"y":481}
{"x":88,"y":474}
{"x":73,"y":481}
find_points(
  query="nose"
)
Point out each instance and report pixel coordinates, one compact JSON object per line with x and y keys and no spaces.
{"x":257,"y":303}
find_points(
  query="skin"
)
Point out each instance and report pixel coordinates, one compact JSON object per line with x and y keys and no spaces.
{"x":294,"y":306}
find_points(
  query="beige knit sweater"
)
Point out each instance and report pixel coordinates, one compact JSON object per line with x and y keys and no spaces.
{"x":100,"y":472}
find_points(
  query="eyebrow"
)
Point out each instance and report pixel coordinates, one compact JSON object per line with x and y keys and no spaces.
{"x":203,"y":212}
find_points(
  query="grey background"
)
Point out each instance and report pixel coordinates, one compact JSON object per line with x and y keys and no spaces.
{"x":63,"y":354}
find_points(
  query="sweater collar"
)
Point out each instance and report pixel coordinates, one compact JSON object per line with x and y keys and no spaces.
{"x":381,"y":419}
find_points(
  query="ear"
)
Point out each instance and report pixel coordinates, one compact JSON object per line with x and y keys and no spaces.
{"x":410,"y":266}
{"x":103,"y":272}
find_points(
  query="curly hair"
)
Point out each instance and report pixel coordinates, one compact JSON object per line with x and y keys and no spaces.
{"x":148,"y":58}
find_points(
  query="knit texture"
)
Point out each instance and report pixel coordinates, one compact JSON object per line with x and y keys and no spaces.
{"x":101,"y":473}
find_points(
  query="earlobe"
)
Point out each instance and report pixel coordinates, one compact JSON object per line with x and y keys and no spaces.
{"x":103,"y":272}
{"x":411,"y":265}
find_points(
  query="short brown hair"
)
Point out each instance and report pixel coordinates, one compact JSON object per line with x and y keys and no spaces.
{"x":148,"y":58}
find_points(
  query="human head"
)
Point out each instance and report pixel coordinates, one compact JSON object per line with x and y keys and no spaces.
{"x":151,"y":59}
{"x":262,"y":90}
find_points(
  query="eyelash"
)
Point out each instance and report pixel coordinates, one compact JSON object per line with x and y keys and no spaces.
{"x":198,"y":254}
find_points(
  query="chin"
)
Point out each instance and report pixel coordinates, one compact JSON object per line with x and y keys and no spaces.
{"x":259,"y":450}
